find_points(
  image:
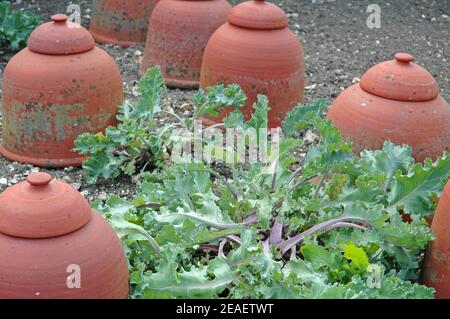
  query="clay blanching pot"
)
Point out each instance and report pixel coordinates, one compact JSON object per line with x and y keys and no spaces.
{"x":57,"y":88}
{"x":256,"y":50}
{"x":398,"y":101}
{"x":48,"y":232}
{"x":121,"y":22}
{"x":436,"y":267}
{"x":177,"y":36}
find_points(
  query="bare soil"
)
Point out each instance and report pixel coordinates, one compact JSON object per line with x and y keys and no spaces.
{"x":339,"y":48}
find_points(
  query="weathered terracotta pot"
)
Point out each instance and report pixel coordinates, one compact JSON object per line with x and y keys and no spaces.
{"x":177,"y":36}
{"x":436,"y":268}
{"x":398,"y":101}
{"x":256,"y":50}
{"x":54,"y":90}
{"x":121,"y":22}
{"x":48,"y":232}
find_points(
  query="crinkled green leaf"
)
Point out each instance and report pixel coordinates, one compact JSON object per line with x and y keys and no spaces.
{"x":260,"y":114}
{"x":209,"y":102}
{"x":412,"y":192}
{"x":356,"y":255}
{"x":300,"y":117}
{"x":388,"y":160}
{"x":170,"y":282}
{"x":16,"y":26}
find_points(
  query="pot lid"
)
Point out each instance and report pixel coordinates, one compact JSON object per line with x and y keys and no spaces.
{"x":60,"y":37}
{"x":41,"y":207}
{"x":258,"y":14}
{"x":400,"y":79}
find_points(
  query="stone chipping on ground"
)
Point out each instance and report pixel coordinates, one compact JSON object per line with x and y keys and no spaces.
{"x":339,"y":48}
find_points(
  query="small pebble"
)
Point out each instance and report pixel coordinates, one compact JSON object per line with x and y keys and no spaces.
{"x":102,"y":196}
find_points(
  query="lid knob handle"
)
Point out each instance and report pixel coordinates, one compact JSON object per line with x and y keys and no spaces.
{"x":59,"y":18}
{"x":404,"y":57}
{"x":39,"y":179}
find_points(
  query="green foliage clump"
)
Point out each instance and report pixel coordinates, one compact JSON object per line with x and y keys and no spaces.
{"x":16,"y":26}
{"x":138,"y":141}
{"x":330,"y":229}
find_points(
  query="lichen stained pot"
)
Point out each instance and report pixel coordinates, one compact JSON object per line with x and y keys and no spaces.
{"x":258,"y":51}
{"x":436,"y":267}
{"x":57,"y":88}
{"x":121,"y":22}
{"x":177,"y":36}
{"x":398,"y":101}
{"x":53,"y":245}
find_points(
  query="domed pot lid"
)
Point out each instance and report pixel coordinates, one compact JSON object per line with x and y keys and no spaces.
{"x":400,"y":79}
{"x":41,"y":207}
{"x":60,"y":37}
{"x":259,"y":15}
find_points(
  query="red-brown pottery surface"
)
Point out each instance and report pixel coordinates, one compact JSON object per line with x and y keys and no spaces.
{"x":256,"y":50}
{"x":47,"y":230}
{"x":436,"y":270}
{"x":50,"y":98}
{"x":121,"y":22}
{"x":177,"y":36}
{"x":397,"y":101}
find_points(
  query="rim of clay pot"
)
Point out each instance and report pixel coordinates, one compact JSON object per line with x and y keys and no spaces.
{"x":259,"y":15}
{"x":103,"y":39}
{"x":42,"y":162}
{"x":42,"y":207}
{"x":176,"y":83}
{"x":400,"y":79}
{"x":60,"y":37}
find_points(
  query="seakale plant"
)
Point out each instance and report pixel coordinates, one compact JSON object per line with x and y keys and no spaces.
{"x":329,"y":229}
{"x":139,"y":143}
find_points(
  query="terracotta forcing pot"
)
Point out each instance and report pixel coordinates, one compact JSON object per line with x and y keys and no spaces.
{"x":436,"y":269}
{"x":53,"y":245}
{"x":256,"y":50}
{"x":177,"y":36}
{"x":121,"y":22}
{"x":399,"y":101}
{"x":56,"y":89}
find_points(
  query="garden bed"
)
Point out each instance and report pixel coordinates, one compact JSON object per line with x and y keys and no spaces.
{"x":315,"y":222}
